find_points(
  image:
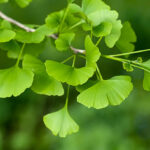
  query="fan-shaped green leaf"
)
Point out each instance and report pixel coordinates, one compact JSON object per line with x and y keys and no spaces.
{"x":64,"y":73}
{"x":33,"y":37}
{"x":6,"y":35}
{"x":43,"y":83}
{"x":14,"y":81}
{"x":127,"y":38}
{"x":53,"y":20}
{"x":60,"y":123}
{"x":106,"y":92}
{"x":90,"y":6}
{"x":64,"y":41}
{"x":75,"y":76}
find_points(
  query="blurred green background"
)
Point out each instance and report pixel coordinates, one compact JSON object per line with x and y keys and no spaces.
{"x":124,"y":127}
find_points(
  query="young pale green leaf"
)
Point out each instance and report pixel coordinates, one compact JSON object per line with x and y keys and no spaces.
{"x":14,"y":81}
{"x":75,"y":76}
{"x":90,"y":6}
{"x":109,"y":16}
{"x":33,"y":37}
{"x":54,"y":20}
{"x":23,"y":3}
{"x":103,"y":29}
{"x":43,"y":83}
{"x":146,"y":81}
{"x":92,"y":52}
{"x":70,"y":75}
{"x":5,"y":25}
{"x":64,"y":41}
{"x":106,"y":92}
{"x":6,"y":35}
{"x":60,"y":123}
{"x":127,"y":67}
{"x":74,"y":8}
{"x":127,"y":38}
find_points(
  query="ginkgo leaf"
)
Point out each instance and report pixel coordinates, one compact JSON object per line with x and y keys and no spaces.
{"x":23,"y":3}
{"x":106,"y":92}
{"x":127,"y":38}
{"x":6,"y":35}
{"x":33,"y":37}
{"x":103,"y":29}
{"x":53,"y":20}
{"x":14,"y":81}
{"x":43,"y":83}
{"x":92,"y":52}
{"x":90,"y":6}
{"x":64,"y":41}
{"x":71,"y":75}
{"x":102,"y":15}
{"x":5,"y":25}
{"x":60,"y":123}
{"x":146,"y":81}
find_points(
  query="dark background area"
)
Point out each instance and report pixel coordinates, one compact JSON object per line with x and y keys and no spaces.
{"x":124,"y":127}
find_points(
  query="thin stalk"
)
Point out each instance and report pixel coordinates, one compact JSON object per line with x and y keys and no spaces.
{"x":130,"y":53}
{"x":74,"y":60}
{"x":64,"y":17}
{"x":75,"y":25}
{"x":64,"y":61}
{"x":99,"y":73}
{"x":67,"y":96}
{"x":20,"y":54}
{"x":133,"y":63}
{"x":98,"y":41}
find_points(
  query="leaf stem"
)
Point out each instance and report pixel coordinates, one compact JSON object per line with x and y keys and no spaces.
{"x":20,"y":54}
{"x":99,"y":73}
{"x":130,"y":53}
{"x":67,"y":59}
{"x":64,"y":17}
{"x":98,"y":41}
{"x":133,"y":63}
{"x":74,"y":60}
{"x":67,"y":96}
{"x":76,"y":24}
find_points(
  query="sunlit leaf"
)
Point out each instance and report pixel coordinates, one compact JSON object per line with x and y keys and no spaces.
{"x":6,"y":35}
{"x":23,"y":3}
{"x":127,"y":38}
{"x":60,"y":123}
{"x":71,"y":75}
{"x":14,"y":81}
{"x":43,"y":83}
{"x":106,"y":92}
{"x":64,"y":41}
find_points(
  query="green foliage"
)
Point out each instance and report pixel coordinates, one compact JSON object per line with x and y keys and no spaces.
{"x":127,"y":38}
{"x":106,"y":92}
{"x":14,"y":81}
{"x":60,"y":123}
{"x":96,"y":21}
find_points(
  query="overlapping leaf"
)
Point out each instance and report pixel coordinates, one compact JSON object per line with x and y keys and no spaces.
{"x":14,"y":81}
{"x":33,"y":37}
{"x":103,"y":20}
{"x":60,"y":123}
{"x":127,"y":38}
{"x":43,"y":83}
{"x":106,"y":92}
{"x":6,"y":35}
{"x":71,"y":75}
{"x":23,"y":3}
{"x":146,"y":81}
{"x":64,"y":41}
